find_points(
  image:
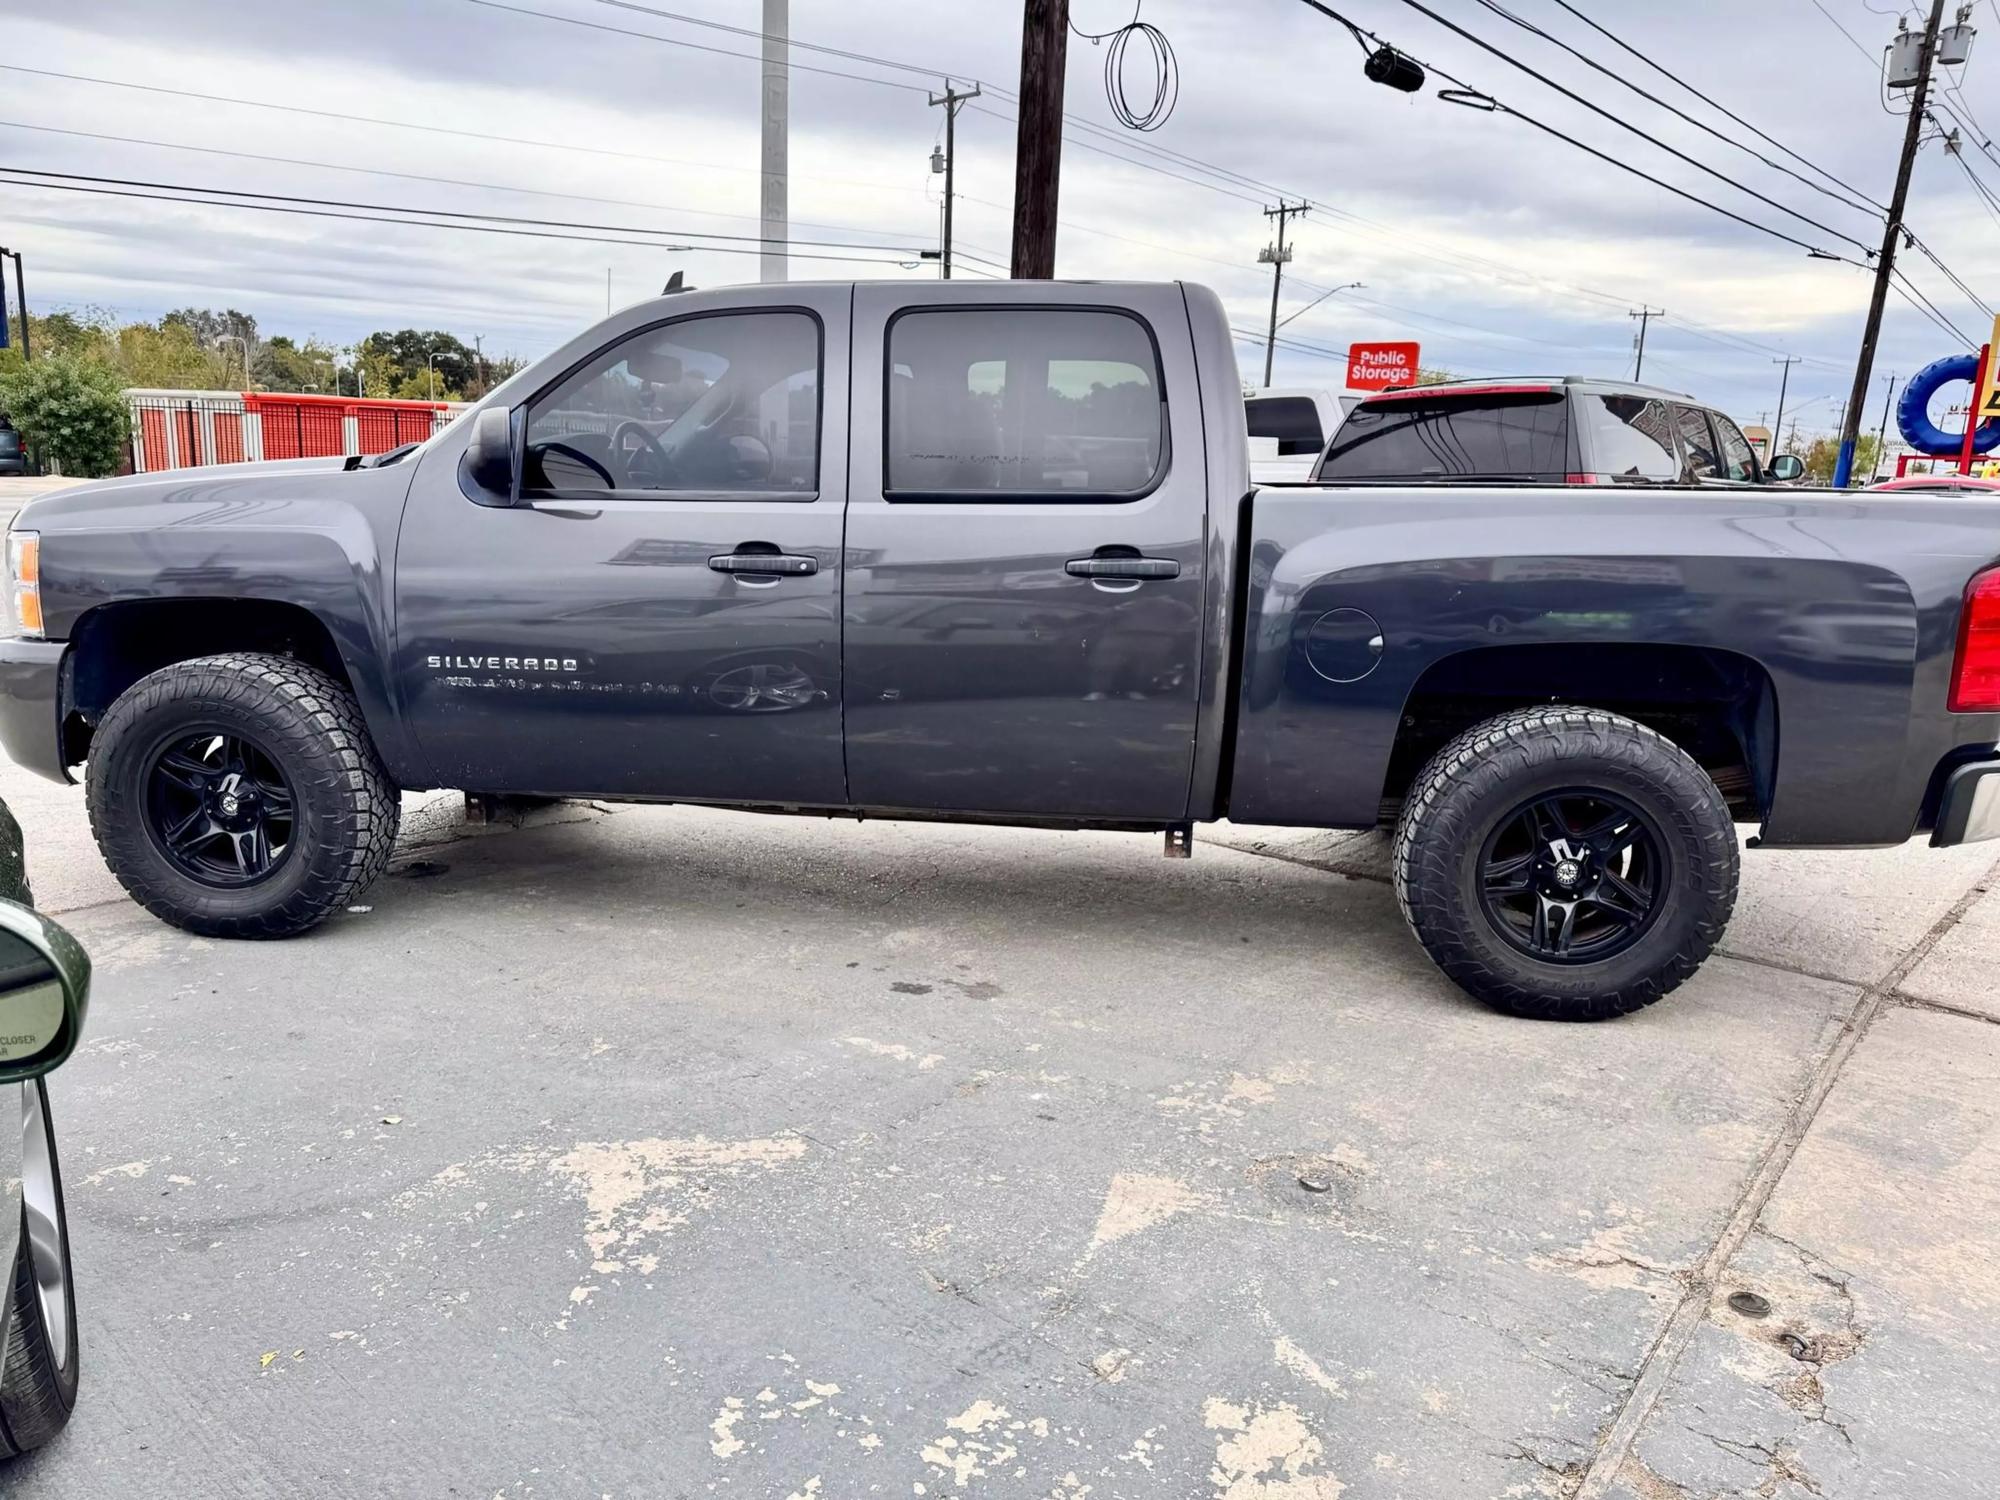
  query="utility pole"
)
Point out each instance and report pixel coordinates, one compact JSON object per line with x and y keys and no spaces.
{"x":777,"y":123}
{"x":1038,"y":142}
{"x":1275,"y":257}
{"x":1882,"y":433}
{"x":1645,"y":315}
{"x":951,"y":99}
{"x":1885,"y":264}
{"x":1784,"y":381}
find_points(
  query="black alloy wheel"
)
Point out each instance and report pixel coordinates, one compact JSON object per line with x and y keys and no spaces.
{"x":1573,"y":876}
{"x":219,"y":808}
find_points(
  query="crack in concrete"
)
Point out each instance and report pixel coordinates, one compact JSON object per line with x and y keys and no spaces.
{"x":1657,"y":1368}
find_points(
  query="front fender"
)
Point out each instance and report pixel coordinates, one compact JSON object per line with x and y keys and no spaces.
{"x":319,"y":539}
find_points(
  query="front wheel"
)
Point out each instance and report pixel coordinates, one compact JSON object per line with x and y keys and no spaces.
{"x":240,"y":796}
{"x":38,"y":1378}
{"x":1565,"y":863}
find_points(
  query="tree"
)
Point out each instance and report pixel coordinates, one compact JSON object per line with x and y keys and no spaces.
{"x":71,"y":411}
{"x":1426,"y":375}
{"x":1821,"y":453}
{"x":282,"y":365}
{"x":407,"y":357}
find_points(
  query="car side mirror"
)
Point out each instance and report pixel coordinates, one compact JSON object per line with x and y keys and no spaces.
{"x":489,"y":456}
{"x":44,"y":993}
{"x":1786,"y":467}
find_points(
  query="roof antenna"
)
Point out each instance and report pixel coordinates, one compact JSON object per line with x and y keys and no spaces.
{"x":674,"y":285}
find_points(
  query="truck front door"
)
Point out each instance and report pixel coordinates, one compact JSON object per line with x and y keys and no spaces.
{"x":1024,"y":552}
{"x":659,"y":616}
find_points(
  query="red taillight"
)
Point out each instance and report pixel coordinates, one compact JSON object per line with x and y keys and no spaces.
{"x":1975,"y":675}
{"x":1587,"y":479}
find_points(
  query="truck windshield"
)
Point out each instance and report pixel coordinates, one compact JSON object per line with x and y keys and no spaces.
{"x":1452,"y":435}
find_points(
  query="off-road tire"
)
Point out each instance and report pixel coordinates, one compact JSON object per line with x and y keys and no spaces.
{"x":36,"y":1393}
{"x":346,"y":806}
{"x":1459,"y":798}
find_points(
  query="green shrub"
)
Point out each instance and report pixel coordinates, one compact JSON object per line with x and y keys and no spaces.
{"x":71,"y":412}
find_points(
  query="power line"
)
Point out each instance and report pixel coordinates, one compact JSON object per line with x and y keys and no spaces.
{"x":333,"y":166}
{"x":1626,"y":125}
{"x":1913,"y":294}
{"x":1950,"y":275}
{"x":1714,"y":103}
{"x":664,"y":239}
{"x":345,"y":117}
{"x":648,"y":36}
{"x":1487,"y":102}
{"x":1728,"y":140}
{"x":1854,"y":41}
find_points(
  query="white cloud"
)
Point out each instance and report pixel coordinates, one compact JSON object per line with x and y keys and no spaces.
{"x":1453,"y":206}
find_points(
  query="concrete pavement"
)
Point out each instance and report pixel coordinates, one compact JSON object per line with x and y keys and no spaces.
{"x":671,"y":1152}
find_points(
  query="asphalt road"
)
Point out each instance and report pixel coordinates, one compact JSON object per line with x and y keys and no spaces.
{"x":675,"y":1153}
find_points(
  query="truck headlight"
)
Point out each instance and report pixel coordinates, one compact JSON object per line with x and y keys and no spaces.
{"x":24,"y":584}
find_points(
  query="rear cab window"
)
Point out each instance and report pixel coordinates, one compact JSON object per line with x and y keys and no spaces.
{"x":1045,"y":404}
{"x":1292,"y":420}
{"x":1494,"y":432}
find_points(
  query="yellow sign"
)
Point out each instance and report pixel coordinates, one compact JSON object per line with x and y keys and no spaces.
{"x":1987,"y":407}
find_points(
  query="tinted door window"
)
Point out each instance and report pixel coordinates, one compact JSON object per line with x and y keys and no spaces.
{"x":1038,"y":404}
{"x":1524,"y":436}
{"x":700,"y":406}
{"x":1698,"y":456}
{"x":1631,"y":438}
{"x":1292,"y":420}
{"x":1739,"y":460}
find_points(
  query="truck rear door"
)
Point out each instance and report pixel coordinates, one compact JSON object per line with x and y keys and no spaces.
{"x":1024,"y":562}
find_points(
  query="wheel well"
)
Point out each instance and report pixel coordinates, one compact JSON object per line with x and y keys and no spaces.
{"x":1718,"y":706}
{"x":114,"y":645}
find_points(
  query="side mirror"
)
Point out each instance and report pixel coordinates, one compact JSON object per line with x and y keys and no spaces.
{"x":489,"y":456}
{"x":44,"y":993}
{"x":1787,"y":467}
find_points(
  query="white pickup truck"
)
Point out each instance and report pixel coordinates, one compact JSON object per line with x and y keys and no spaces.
{"x":1289,"y":430}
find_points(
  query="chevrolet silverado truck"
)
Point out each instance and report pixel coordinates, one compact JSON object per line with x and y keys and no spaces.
{"x":990,"y":553}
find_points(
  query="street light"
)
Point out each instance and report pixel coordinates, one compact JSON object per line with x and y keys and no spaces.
{"x":430,"y":364}
{"x":1352,"y":286}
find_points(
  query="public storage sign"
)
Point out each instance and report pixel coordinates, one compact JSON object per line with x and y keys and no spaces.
{"x":1381,"y":367}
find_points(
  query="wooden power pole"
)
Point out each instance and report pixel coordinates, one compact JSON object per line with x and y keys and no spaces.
{"x":1038,"y":143}
{"x":1885,"y":263}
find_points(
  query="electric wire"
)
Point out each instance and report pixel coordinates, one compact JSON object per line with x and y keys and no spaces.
{"x":1713,"y":103}
{"x":24,"y":177}
{"x":1626,"y":125}
{"x":1165,"y":68}
{"x":1728,"y":140}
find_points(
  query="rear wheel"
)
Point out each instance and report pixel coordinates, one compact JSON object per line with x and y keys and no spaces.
{"x":39,"y":1377}
{"x":240,"y":796}
{"x":1565,"y":863}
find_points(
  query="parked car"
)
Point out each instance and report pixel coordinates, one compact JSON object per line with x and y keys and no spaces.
{"x":1289,"y":430}
{"x":44,"y":994}
{"x":995,"y":550}
{"x":13,"y":459}
{"x":1933,"y":484}
{"x":1555,"y":431}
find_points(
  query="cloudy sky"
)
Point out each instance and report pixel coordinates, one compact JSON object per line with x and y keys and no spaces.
{"x":1501,"y":249}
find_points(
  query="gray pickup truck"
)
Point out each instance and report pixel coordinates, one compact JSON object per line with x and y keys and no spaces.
{"x":989,"y":552}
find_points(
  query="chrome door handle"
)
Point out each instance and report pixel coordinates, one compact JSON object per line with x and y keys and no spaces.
{"x":765,"y":564}
{"x":1122,"y":567}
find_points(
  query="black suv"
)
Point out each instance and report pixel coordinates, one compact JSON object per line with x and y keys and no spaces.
{"x":1553,"y":431}
{"x":12,"y":460}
